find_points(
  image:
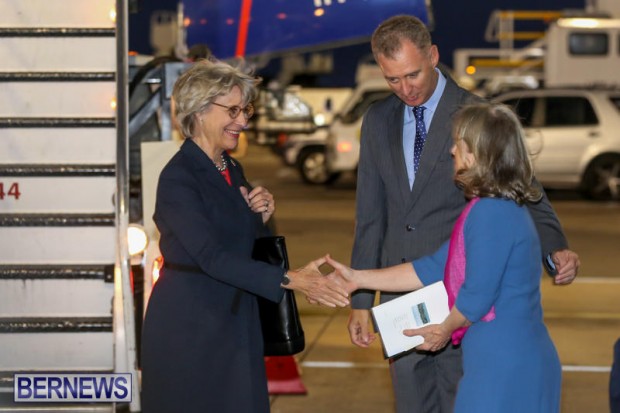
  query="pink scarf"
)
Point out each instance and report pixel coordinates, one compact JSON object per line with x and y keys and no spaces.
{"x":454,"y":274}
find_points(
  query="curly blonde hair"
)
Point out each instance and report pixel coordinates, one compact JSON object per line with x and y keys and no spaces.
{"x":202,"y":83}
{"x":503,"y":168}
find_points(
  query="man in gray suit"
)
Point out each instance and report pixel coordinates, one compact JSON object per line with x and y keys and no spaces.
{"x":406,"y":209}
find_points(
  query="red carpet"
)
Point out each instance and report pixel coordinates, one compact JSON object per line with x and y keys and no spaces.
{"x":283,"y":376}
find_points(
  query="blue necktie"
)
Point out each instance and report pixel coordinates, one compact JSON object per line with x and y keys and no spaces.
{"x":420,"y":135}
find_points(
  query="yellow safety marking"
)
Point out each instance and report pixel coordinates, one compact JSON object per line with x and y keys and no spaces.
{"x":506,"y":63}
{"x":530,"y":15}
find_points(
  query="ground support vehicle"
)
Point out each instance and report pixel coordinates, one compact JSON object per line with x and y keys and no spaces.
{"x":343,"y":141}
{"x":280,"y":112}
{"x":306,"y":152}
{"x":322,"y":156}
{"x":65,"y":296}
{"x":573,"y":136}
{"x":569,"y":49}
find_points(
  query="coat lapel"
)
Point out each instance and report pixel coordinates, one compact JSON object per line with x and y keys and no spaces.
{"x":395,"y":119}
{"x":438,"y":142}
{"x":208,"y":176}
{"x":236,"y":174}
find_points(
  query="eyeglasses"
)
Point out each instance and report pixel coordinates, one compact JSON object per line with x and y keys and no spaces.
{"x":234,"y":111}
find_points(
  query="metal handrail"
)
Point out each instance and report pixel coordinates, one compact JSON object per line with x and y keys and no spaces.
{"x":122,"y":197}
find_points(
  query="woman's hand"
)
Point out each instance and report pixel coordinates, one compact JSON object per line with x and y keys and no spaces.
{"x":260,"y":200}
{"x":343,"y":275}
{"x":318,"y":288}
{"x":436,"y":336}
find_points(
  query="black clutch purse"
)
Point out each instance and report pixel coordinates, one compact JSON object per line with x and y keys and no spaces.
{"x":282,"y":331}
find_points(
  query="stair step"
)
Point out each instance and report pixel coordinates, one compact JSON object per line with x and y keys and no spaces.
{"x":57,"y":220}
{"x":57,"y":122}
{"x":59,"y":54}
{"x":56,"y":32}
{"x":65,"y":189}
{"x":34,"y":298}
{"x":63,"y":170}
{"x":57,"y":272}
{"x":55,"y":324}
{"x":57,"y":77}
{"x":73,"y":13}
{"x":57,"y":245}
{"x":72,"y":349}
{"x":61,"y":144}
{"x":44,"y":98}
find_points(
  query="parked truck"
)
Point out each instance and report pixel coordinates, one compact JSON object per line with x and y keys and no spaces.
{"x":570,"y":48}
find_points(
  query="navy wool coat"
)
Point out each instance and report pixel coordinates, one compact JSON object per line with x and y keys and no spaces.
{"x":202,"y":348}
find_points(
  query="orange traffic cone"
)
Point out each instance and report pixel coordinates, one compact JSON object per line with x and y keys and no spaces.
{"x":283,"y":375}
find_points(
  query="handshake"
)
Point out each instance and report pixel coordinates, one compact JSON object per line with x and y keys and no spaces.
{"x":331,"y":290}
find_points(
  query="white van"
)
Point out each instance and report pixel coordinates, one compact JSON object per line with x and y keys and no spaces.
{"x":343,"y":140}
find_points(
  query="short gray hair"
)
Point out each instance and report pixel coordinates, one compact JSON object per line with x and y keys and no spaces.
{"x":202,"y":83}
{"x":387,"y":38}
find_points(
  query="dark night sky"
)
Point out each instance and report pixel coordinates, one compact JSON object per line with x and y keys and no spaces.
{"x":458,"y":24}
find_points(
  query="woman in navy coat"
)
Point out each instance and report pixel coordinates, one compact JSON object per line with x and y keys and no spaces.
{"x":202,"y":348}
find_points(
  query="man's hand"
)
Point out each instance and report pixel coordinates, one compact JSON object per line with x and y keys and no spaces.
{"x":567,"y":265}
{"x":359,"y":322}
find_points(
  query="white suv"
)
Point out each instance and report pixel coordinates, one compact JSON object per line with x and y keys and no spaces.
{"x":343,"y":140}
{"x":573,"y":136}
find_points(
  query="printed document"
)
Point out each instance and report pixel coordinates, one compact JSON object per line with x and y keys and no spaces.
{"x":428,"y":305}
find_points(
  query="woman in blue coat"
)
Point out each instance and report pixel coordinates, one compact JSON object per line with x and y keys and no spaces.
{"x":202,"y":348}
{"x":491,"y":271}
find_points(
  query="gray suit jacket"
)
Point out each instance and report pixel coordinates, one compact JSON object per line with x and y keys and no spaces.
{"x":395,"y":224}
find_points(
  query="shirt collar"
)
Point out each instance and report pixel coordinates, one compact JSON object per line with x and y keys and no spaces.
{"x":431,"y":104}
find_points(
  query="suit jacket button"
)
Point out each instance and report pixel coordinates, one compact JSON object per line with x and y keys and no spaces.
{"x":409,"y":227}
